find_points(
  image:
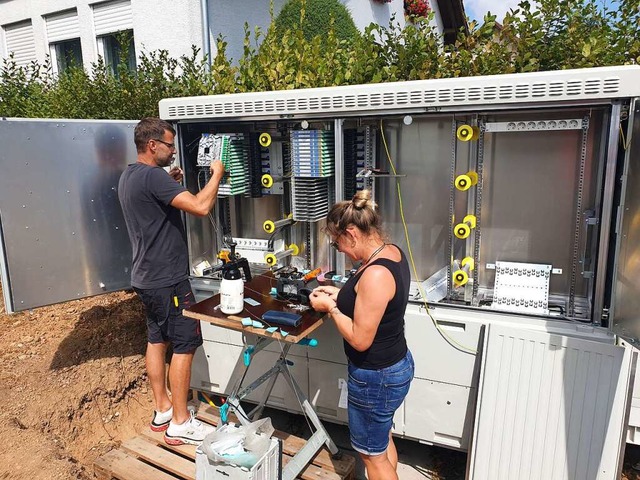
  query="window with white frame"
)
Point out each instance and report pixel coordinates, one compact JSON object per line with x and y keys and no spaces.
{"x":118,"y":49}
{"x":19,"y":42}
{"x":113,"y":23}
{"x":63,"y":35}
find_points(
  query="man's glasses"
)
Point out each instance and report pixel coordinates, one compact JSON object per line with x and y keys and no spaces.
{"x":170,"y":145}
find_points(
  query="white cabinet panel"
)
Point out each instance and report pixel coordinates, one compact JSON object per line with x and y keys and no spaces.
{"x":435,"y":358}
{"x":330,"y":344}
{"x":324,"y":393}
{"x":217,"y":368}
{"x":439,"y":413}
{"x":214,"y":333}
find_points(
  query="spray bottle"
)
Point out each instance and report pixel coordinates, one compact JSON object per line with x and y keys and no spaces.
{"x":232,"y":285}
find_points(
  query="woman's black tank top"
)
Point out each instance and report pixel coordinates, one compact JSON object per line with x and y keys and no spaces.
{"x":389,"y":345}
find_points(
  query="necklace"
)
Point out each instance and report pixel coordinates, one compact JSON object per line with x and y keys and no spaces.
{"x":377,"y":251}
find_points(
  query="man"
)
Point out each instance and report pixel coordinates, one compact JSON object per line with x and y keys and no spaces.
{"x":151,"y":201}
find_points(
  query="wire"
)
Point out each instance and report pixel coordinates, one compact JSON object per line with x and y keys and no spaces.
{"x":625,"y":144}
{"x":449,"y":340}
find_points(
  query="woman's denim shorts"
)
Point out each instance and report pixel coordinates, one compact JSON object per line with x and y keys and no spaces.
{"x":374,"y":396}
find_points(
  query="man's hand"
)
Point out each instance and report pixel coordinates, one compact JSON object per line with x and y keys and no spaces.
{"x":217,"y":170}
{"x":176,"y":173}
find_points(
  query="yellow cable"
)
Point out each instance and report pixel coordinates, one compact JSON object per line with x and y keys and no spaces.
{"x":209,"y":401}
{"x":450,"y":340}
{"x":625,"y":144}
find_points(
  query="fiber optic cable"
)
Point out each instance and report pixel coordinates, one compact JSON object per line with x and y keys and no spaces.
{"x":450,"y":340}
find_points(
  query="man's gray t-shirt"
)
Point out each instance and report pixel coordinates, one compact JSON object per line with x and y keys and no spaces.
{"x":156,"y":231}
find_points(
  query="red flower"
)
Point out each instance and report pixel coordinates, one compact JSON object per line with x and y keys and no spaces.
{"x":417,"y":8}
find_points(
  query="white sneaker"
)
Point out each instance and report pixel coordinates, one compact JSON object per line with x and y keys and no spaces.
{"x":160,"y":421}
{"x":192,"y":431}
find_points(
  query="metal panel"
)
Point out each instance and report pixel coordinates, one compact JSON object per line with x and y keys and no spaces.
{"x":626,"y":307}
{"x":63,"y":231}
{"x":63,"y":26}
{"x":110,"y":17}
{"x":20,"y":42}
{"x":421,"y":153}
{"x":530,"y":207}
{"x":583,"y":85}
{"x":550,"y":407}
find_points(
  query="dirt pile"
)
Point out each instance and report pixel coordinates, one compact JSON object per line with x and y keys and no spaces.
{"x":73,"y":384}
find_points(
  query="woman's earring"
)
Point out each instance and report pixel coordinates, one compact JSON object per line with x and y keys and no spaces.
{"x":353,"y":244}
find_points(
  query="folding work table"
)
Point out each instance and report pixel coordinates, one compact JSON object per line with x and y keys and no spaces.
{"x":259,"y":289}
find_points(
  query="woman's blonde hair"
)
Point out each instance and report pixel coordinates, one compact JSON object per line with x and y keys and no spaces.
{"x":360,"y":212}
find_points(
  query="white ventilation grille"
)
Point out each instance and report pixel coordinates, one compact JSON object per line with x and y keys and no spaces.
{"x":63,"y":26}
{"x":20,"y":42}
{"x":550,"y":407}
{"x":570,"y":85}
{"x":111,"y":17}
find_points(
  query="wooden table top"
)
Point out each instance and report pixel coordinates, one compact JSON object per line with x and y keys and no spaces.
{"x":258,"y":289}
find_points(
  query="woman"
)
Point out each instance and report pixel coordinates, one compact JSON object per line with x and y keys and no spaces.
{"x":369,"y":314}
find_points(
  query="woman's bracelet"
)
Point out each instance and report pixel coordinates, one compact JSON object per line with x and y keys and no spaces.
{"x":335,"y":307}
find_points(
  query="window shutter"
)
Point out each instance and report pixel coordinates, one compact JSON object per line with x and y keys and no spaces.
{"x":63,"y":26}
{"x":20,"y":41}
{"x":110,"y":17}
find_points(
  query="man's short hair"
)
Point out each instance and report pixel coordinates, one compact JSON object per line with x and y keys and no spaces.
{"x":150,"y":128}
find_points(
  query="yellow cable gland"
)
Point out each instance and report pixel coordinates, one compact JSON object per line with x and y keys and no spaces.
{"x":266,"y":180}
{"x":264,"y":139}
{"x":470,"y":220}
{"x":460,"y":277}
{"x":468,"y":261}
{"x":268,"y":226}
{"x":463,"y":230}
{"x":271,"y":259}
{"x":466,"y":133}
{"x":463,"y":182}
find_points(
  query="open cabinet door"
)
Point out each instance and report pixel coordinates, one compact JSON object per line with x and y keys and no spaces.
{"x":550,"y":407}
{"x":625,"y":309}
{"x":62,"y":233}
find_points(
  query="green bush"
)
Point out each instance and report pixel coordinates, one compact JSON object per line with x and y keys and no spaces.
{"x":559,"y":34}
{"x":313,"y":17}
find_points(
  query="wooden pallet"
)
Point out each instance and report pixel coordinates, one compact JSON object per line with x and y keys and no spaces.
{"x":148,"y":457}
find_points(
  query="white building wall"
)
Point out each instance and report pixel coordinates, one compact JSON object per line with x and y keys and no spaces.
{"x":171,"y":25}
{"x":176,"y":25}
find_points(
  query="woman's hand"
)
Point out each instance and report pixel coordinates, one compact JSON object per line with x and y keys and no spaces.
{"x":321,"y":301}
{"x":328,"y":290}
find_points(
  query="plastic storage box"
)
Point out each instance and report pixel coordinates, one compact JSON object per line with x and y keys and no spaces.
{"x":267,"y":468}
